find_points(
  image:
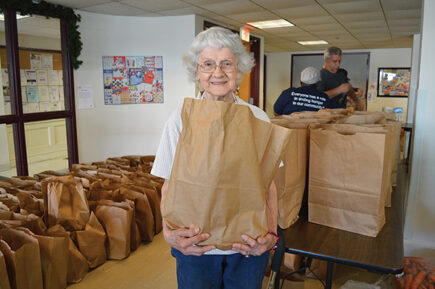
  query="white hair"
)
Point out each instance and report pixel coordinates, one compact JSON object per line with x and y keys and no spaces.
{"x":217,"y":37}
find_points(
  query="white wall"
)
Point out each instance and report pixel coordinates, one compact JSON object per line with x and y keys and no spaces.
{"x":279,"y":66}
{"x":277,"y":77}
{"x":114,"y":130}
{"x":420,"y":215}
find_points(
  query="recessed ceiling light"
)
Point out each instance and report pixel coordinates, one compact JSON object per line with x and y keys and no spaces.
{"x":19,"y":16}
{"x":271,"y":24}
{"x":313,"y":42}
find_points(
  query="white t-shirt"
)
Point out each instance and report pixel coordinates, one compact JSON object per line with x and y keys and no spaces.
{"x":164,"y":160}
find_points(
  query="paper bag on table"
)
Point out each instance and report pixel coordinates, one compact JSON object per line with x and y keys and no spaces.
{"x":116,"y":217}
{"x":23,"y":259}
{"x":65,"y":203}
{"x":223,"y":167}
{"x":345,"y":179}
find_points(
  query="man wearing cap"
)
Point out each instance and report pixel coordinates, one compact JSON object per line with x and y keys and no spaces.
{"x":334,"y":81}
{"x":304,"y":98}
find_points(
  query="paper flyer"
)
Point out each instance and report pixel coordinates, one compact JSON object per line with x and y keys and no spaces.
{"x":53,"y":77}
{"x":35,"y":61}
{"x":85,"y":97}
{"x":54,"y":93}
{"x":43,"y":93}
{"x":46,"y":61}
{"x":30,"y":77}
{"x":41,"y":77}
{"x":32,"y":94}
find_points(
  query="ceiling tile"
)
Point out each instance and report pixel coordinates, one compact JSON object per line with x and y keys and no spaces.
{"x":227,"y":21}
{"x":301,"y":12}
{"x":78,"y":4}
{"x":280,"y":4}
{"x":153,"y":5}
{"x":115,"y":8}
{"x":352,"y":7}
{"x":185,"y":11}
{"x":401,"y":4}
{"x":313,"y":20}
{"x":403,"y":14}
{"x":365,"y":24}
{"x":233,"y":7}
{"x":254,"y":16}
{"x":203,"y":2}
{"x":364,"y":16}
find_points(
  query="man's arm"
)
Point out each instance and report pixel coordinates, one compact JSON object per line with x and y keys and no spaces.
{"x":343,"y":88}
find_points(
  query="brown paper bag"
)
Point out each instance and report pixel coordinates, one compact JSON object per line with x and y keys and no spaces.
{"x":4,"y":278}
{"x":65,"y":203}
{"x":53,"y":262}
{"x":345,"y":180}
{"x":290,"y":179}
{"x":223,"y":167}
{"x":23,"y":259}
{"x":77,"y":263}
{"x":91,"y":242}
{"x":116,"y":218}
{"x":154,"y":201}
{"x":143,"y":213}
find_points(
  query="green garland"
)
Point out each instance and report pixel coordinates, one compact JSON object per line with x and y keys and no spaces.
{"x":74,"y":43}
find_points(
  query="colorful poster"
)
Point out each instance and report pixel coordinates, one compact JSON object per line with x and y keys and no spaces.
{"x":132,"y":79}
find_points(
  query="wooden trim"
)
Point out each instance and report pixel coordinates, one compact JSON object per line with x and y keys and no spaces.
{"x":264,"y":80}
{"x":68,"y":86}
{"x":15,"y":90}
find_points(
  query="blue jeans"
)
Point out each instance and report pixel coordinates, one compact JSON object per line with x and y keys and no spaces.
{"x":233,"y":271}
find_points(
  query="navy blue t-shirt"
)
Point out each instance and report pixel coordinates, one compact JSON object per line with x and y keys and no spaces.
{"x":304,"y":98}
{"x":330,"y":81}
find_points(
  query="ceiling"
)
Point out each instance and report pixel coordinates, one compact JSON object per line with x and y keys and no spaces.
{"x":348,"y":24}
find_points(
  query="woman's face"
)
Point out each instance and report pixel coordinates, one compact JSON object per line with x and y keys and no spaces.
{"x":218,"y":83}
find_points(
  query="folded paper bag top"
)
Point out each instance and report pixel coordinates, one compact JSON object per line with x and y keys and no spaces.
{"x":224,"y":164}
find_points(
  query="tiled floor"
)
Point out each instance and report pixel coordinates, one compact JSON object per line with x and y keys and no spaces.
{"x":152,"y":267}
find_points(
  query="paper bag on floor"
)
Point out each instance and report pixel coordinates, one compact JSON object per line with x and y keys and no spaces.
{"x":116,"y":218}
{"x":223,"y":167}
{"x":65,"y":202}
{"x":53,"y":262}
{"x":345,"y":180}
{"x":77,"y":263}
{"x":91,"y":242}
{"x":23,"y":259}
{"x":4,"y":278}
{"x":154,"y":201}
{"x":143,"y":213}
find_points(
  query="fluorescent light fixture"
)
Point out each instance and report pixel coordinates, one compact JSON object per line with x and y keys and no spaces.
{"x":19,"y":16}
{"x":313,"y":42}
{"x":271,"y":24}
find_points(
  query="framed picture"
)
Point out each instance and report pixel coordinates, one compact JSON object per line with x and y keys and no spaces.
{"x":394,"y":82}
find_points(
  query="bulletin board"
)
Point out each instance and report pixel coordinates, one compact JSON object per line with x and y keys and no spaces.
{"x":132,"y":79}
{"x":41,"y":79}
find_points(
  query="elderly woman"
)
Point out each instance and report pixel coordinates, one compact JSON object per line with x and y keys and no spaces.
{"x":217,"y":60}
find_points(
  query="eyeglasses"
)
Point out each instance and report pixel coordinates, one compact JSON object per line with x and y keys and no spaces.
{"x":210,"y":66}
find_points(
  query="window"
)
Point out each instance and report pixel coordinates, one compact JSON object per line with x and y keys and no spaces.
{"x":37,"y":114}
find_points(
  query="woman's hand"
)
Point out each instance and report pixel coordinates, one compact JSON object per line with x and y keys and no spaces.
{"x":255,"y":247}
{"x":184,"y":240}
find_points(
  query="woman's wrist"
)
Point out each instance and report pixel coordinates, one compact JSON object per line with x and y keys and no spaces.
{"x":276,"y":238}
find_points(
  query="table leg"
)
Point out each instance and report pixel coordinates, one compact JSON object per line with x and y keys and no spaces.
{"x":329,"y":270}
